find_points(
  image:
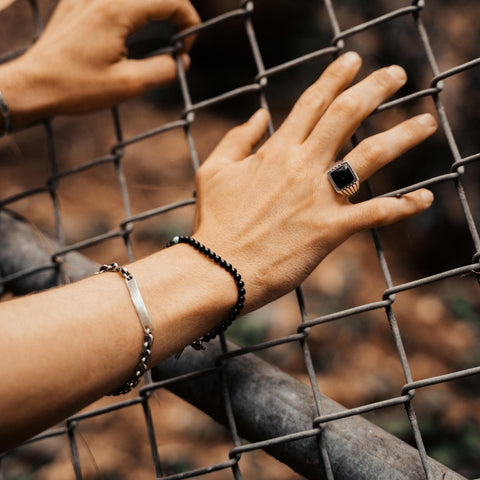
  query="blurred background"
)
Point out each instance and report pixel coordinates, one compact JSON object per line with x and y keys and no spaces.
{"x":355,"y":359}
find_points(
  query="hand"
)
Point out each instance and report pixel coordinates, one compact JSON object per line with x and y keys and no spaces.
{"x":79,"y":64}
{"x":274,"y":215}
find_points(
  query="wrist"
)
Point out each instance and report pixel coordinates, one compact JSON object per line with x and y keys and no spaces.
{"x":244,"y":255}
{"x":227,"y":267}
{"x":186,"y":295}
{"x":21,"y":87}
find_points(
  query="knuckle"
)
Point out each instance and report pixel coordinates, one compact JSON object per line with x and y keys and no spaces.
{"x":107,"y":10}
{"x":335,"y":72}
{"x":383,"y":80}
{"x":133,"y":83}
{"x":312,"y":99}
{"x":346,"y":105}
{"x":184,"y":8}
{"x":379,"y":215}
{"x":371,"y":149}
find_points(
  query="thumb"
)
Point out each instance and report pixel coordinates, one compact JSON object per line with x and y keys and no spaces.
{"x":238,"y":143}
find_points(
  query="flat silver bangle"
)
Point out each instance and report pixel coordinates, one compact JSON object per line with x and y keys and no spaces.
{"x":145,"y":321}
{"x":6,"y":115}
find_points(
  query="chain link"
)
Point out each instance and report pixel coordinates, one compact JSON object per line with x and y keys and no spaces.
{"x":124,"y":231}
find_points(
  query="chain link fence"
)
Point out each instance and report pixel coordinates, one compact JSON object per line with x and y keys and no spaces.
{"x":298,"y":424}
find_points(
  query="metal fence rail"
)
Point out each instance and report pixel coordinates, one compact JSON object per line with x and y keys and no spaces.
{"x":46,"y":269}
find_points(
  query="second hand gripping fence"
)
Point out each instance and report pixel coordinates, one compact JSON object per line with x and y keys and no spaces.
{"x":314,"y":438}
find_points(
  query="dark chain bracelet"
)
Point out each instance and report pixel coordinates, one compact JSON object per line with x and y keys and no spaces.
{"x":145,"y":321}
{"x":198,"y":344}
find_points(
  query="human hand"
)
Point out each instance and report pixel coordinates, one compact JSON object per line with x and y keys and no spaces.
{"x":274,"y":215}
{"x":80,"y":62}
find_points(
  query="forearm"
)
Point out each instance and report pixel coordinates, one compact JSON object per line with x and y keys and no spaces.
{"x":84,"y":339}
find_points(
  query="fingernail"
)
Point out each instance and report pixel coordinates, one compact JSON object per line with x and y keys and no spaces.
{"x":427,"y":120}
{"x":350,"y":58}
{"x":397,"y":72}
{"x":185,"y":58}
{"x":427,"y":197}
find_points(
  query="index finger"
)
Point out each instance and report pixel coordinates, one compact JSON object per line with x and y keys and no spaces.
{"x":317,"y":98}
{"x":180,"y":12}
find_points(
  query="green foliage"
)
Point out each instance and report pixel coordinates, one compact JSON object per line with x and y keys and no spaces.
{"x":457,"y":447}
{"x":463,"y":309}
{"x":248,"y":330}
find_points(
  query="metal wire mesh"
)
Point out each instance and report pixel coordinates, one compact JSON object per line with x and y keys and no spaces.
{"x":259,"y":88}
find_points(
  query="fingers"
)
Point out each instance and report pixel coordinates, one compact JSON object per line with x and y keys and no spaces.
{"x":348,"y":110}
{"x":180,"y":12}
{"x":237,"y":144}
{"x":382,"y":211}
{"x":138,"y":76}
{"x":317,"y":98}
{"x":376,"y":151}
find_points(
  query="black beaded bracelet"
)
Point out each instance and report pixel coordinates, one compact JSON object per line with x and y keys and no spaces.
{"x":198,"y":344}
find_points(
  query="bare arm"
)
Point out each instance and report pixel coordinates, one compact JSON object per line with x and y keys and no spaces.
{"x":273,"y":215}
{"x":64,"y":348}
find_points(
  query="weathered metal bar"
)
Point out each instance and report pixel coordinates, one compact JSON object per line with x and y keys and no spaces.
{"x":268,"y":403}
{"x":22,"y":247}
{"x":269,"y":406}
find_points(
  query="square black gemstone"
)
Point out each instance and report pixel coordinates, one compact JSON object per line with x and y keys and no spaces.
{"x":342,"y":176}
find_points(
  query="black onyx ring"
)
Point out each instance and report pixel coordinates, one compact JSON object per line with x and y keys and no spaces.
{"x":344,"y":179}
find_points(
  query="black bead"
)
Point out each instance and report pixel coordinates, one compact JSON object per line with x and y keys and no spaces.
{"x":230,"y":269}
